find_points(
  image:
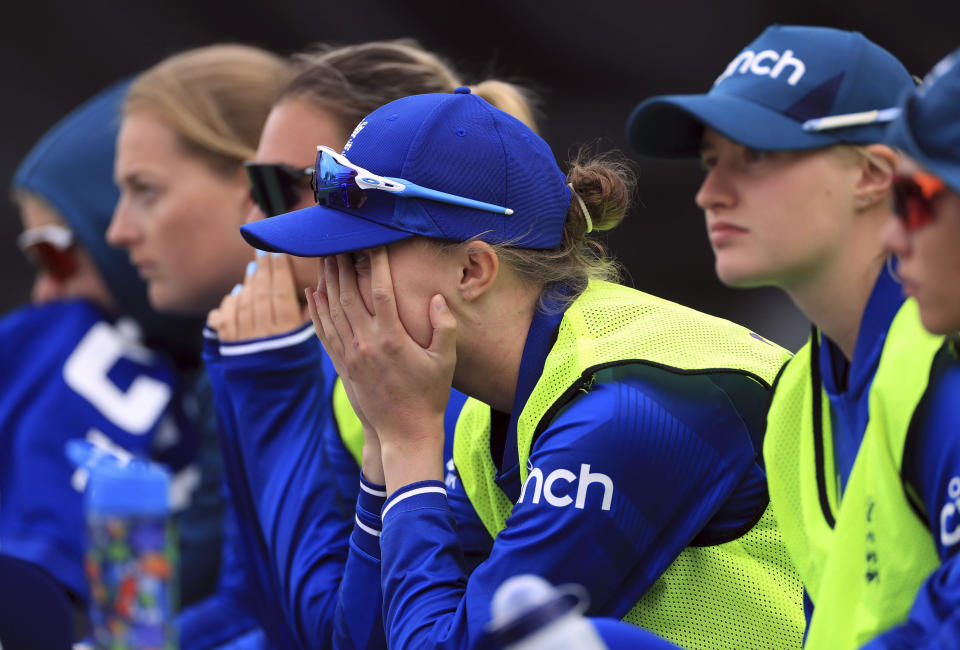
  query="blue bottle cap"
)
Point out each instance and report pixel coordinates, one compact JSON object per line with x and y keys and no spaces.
{"x":119,"y":486}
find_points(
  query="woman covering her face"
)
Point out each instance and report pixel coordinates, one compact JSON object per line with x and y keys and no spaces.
{"x":291,"y":443}
{"x":609,"y":435}
{"x":796,"y":195}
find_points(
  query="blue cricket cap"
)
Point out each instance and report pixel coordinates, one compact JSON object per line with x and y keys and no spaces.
{"x":455,"y":143}
{"x":928,"y":128}
{"x":775,"y":93}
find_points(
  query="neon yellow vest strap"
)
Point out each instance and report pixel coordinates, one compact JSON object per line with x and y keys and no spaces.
{"x":348,"y":424}
{"x":863,"y":557}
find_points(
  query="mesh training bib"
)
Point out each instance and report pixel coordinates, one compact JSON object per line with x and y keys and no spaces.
{"x":862,"y":558}
{"x":348,"y":424}
{"x":740,"y":594}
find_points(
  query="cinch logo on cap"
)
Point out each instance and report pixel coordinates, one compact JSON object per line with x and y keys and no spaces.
{"x":765,"y":63}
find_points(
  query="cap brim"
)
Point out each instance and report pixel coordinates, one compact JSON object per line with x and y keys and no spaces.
{"x":317,"y":231}
{"x":671,"y":126}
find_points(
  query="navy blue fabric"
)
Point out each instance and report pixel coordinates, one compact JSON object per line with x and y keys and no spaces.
{"x":261,"y":600}
{"x":847,"y":383}
{"x":358,"y":620}
{"x":455,"y":143}
{"x":36,"y":612}
{"x":42,"y":518}
{"x":649,"y":437}
{"x":225,"y":620}
{"x":928,"y":127}
{"x":242,"y":584}
{"x":788,"y":75}
{"x":200,"y":526}
{"x":71,"y":167}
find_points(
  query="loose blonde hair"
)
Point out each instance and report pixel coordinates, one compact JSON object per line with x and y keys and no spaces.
{"x":215,"y":98}
{"x":352,"y":81}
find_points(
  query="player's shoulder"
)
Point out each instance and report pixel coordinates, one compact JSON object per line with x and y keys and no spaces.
{"x":63,"y":317}
{"x":645,"y":405}
{"x":42,"y":337}
{"x":942,"y":398}
{"x":70,"y":362}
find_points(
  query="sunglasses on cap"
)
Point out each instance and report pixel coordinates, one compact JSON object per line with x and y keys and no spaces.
{"x":912,"y":196}
{"x":51,"y":249}
{"x":275,"y":188}
{"x":338,"y":182}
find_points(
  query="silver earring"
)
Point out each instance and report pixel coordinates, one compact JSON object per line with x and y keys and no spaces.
{"x":892,"y":271}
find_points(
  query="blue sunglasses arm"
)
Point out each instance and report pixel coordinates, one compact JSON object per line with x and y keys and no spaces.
{"x":413,"y":191}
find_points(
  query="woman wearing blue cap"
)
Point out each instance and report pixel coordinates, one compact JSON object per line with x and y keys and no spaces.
{"x":275,"y":381}
{"x":796,"y":195}
{"x":617,"y":450}
{"x":925,"y":236}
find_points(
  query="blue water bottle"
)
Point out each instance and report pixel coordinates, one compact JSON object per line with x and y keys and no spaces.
{"x":131,"y":561}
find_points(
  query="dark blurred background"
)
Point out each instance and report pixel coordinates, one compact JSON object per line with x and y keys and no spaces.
{"x":590,"y":61}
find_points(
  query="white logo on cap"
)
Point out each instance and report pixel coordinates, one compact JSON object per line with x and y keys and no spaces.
{"x":938,"y":71}
{"x":357,"y":130}
{"x":765,"y":63}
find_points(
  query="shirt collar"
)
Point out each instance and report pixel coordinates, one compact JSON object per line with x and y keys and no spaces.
{"x":540,"y":339}
{"x":882,"y":306}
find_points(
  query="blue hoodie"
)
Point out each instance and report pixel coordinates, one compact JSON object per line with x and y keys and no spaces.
{"x":71,"y":168}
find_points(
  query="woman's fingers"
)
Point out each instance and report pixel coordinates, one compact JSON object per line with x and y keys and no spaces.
{"x":226,"y":325}
{"x":381,"y":284}
{"x":338,"y":319}
{"x":283,"y":295}
{"x":246,"y":325}
{"x":350,"y":297}
{"x":260,"y":284}
{"x":312,"y":311}
{"x":323,"y":324}
{"x":443,"y":344}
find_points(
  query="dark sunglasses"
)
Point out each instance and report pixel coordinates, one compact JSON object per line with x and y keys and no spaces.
{"x":50,"y":248}
{"x":912,"y":195}
{"x":337,"y":181}
{"x":275,"y":188}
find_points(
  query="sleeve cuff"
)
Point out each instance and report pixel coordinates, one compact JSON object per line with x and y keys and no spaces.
{"x":367,"y":524}
{"x":268,"y":343}
{"x":366,"y":538}
{"x":211,"y":345}
{"x":371,"y":496}
{"x":422,"y":494}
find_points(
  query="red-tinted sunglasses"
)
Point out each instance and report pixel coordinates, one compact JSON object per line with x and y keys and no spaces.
{"x":912,"y":195}
{"x":51,"y":249}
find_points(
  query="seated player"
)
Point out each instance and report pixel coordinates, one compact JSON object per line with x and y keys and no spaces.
{"x":87,"y":359}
